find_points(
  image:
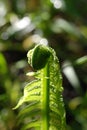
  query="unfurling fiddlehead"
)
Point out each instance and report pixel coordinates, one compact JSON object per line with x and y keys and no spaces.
{"x":45,"y":109}
{"x":38,"y":56}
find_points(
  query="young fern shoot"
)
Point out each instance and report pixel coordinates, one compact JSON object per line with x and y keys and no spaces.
{"x":45,"y":107}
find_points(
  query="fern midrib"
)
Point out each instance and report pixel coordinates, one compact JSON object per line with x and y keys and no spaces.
{"x":45,"y":98}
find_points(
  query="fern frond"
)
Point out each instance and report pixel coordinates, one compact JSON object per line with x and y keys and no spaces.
{"x":45,"y":107}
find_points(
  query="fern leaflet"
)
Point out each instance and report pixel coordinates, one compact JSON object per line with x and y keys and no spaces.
{"x":45,"y":107}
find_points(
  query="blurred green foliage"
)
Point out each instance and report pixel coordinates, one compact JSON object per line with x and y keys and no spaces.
{"x":62,"y":25}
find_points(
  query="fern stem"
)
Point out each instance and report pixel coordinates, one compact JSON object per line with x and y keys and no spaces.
{"x":45,"y":98}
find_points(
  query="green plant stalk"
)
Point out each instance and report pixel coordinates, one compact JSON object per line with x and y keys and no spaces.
{"x":46,"y":91}
{"x":45,"y":95}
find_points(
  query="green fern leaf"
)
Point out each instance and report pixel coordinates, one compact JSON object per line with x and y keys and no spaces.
{"x":45,"y":107}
